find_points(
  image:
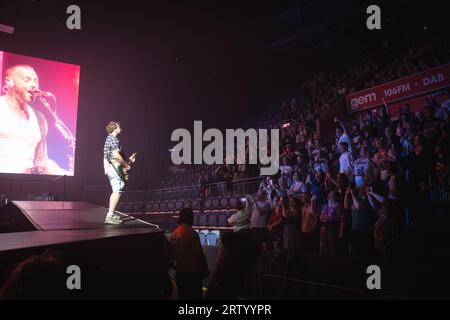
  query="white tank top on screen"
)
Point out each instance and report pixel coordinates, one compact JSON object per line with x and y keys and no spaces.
{"x":18,"y":139}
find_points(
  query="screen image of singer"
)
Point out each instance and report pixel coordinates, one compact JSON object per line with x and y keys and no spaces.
{"x":38,"y":115}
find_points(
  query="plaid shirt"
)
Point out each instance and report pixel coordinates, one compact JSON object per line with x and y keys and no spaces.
{"x":112,"y":143}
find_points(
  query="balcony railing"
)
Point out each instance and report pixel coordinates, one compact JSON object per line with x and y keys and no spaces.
{"x":100,"y":194}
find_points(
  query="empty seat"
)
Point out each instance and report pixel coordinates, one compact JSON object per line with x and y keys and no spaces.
{"x":224,"y":203}
{"x":163,"y":206}
{"x":187,"y":194}
{"x":216,"y":232}
{"x":127,"y":207}
{"x":137,"y":207}
{"x":202,"y":220}
{"x":196,"y":216}
{"x":149,"y":206}
{"x":212,"y":238}
{"x":171,"y":205}
{"x":130,"y":208}
{"x":208,"y":204}
{"x":223,"y":220}
{"x":196,"y":205}
{"x":202,"y":237}
{"x":178,"y":205}
{"x":205,"y":233}
{"x":216,"y":203}
{"x":232,"y":202}
{"x":212,"y":220}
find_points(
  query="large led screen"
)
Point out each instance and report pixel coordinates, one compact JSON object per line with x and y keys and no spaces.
{"x":38,"y":115}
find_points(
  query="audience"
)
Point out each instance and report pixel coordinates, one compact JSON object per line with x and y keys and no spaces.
{"x":39,"y":277}
{"x":309,"y":223}
{"x":291,"y":224}
{"x":330,"y":216}
{"x":260,"y":214}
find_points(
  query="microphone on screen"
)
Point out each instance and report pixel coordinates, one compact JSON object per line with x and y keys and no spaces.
{"x":40,"y":93}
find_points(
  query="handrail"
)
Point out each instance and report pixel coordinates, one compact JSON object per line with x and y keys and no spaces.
{"x":144,"y":195}
{"x":182,"y":187}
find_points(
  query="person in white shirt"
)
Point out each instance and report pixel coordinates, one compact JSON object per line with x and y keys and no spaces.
{"x":23,"y":130}
{"x":342,"y":134}
{"x":345,"y":160}
{"x":241,"y":219}
{"x":260,"y":213}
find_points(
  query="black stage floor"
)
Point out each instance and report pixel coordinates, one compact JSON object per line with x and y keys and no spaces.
{"x":126,"y":261}
{"x":57,"y":222}
{"x":60,"y":215}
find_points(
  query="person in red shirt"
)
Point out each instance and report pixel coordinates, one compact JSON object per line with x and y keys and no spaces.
{"x":190,"y":261}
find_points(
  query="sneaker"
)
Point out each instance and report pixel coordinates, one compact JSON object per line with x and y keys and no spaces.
{"x":116,"y":217}
{"x":112,"y":220}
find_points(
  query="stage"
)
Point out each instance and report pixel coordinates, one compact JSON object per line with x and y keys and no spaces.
{"x":60,"y":215}
{"x":133,"y":253}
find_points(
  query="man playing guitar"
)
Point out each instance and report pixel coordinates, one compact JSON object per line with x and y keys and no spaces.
{"x":116,"y":168}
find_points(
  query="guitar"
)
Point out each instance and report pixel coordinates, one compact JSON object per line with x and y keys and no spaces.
{"x":121,"y":171}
